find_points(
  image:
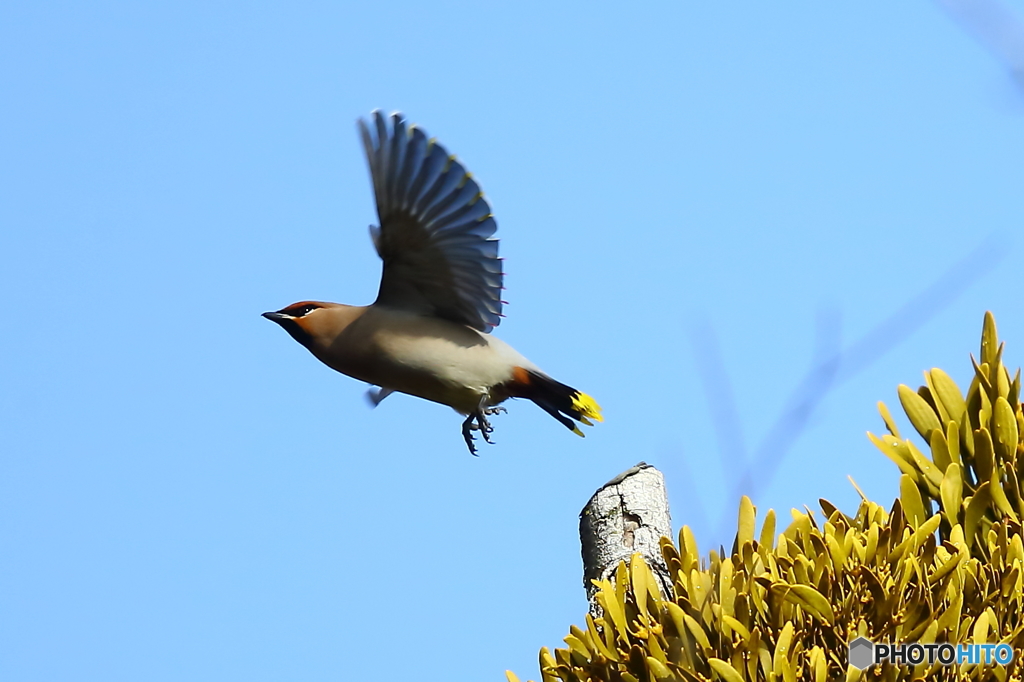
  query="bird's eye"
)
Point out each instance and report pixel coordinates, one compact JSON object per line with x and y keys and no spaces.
{"x":296,"y":310}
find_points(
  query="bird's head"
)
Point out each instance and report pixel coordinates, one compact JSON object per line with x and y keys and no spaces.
{"x":301,"y":320}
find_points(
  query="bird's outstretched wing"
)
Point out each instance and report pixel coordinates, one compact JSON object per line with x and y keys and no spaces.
{"x":435,"y":234}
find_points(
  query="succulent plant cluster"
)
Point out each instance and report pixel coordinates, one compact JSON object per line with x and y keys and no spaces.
{"x":944,"y":564}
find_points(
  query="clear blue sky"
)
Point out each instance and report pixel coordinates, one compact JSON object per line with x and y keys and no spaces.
{"x":186,"y":494}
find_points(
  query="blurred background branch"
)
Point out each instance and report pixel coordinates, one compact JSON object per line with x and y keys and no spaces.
{"x":833,"y":365}
{"x":997,"y":27}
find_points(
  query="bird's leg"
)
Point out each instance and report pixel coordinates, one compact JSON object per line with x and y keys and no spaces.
{"x":482,"y":424}
{"x":481,"y":419}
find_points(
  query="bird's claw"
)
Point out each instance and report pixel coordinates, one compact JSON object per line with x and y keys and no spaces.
{"x":477,"y":421}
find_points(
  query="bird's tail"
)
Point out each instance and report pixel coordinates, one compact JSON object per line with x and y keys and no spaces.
{"x":557,"y":399}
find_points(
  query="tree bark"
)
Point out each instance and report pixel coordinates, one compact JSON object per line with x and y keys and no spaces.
{"x":628,"y":514}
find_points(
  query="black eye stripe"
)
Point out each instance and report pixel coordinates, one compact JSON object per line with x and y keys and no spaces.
{"x":301,"y":310}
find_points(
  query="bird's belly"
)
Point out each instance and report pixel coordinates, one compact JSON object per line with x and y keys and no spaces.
{"x":438,"y":370}
{"x":456,"y":367}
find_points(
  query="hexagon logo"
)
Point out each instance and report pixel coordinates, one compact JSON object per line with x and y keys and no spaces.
{"x":862,"y":653}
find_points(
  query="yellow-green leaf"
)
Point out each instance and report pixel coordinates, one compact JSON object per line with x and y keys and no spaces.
{"x":807,"y":598}
{"x":989,"y":338}
{"x":783,"y":644}
{"x":931,"y":475}
{"x":979,"y":634}
{"x":819,"y":664}
{"x":914,"y":540}
{"x":609,"y":601}
{"x":1004,"y":428}
{"x":910,"y":496}
{"x":951,"y":617}
{"x":609,"y":652}
{"x":836,"y":551}
{"x":678,"y":616}
{"x":576,"y":645}
{"x":639,"y":574}
{"x":689,"y":554}
{"x":952,"y":490}
{"x":887,"y":419}
{"x":920,"y":413}
{"x":979,"y":503}
{"x":1000,"y":377}
{"x":984,"y":454}
{"x":940,"y":451}
{"x":548,"y":666}
{"x":966,"y":437}
{"x":740,"y":629}
{"x":814,"y":603}
{"x":947,"y":393}
{"x":890,"y":447}
{"x":953,"y":441}
{"x":658,"y":669}
{"x":999,"y":496}
{"x":697,"y":631}
{"x":724,"y":670}
{"x":946,"y":567}
{"x":1014,"y":397}
{"x":767,"y":540}
{"x":747,"y":522}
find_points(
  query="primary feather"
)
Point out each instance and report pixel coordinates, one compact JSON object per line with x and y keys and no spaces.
{"x":436,"y":229}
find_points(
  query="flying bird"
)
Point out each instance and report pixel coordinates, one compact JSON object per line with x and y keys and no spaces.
{"x":428,"y":334}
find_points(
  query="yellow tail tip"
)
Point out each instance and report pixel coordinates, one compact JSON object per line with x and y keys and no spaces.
{"x":587,"y":407}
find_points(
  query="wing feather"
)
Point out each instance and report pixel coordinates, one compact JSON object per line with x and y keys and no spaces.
{"x":436,"y":228}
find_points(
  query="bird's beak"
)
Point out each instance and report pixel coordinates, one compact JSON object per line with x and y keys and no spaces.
{"x":290,"y":324}
{"x":278,"y":317}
